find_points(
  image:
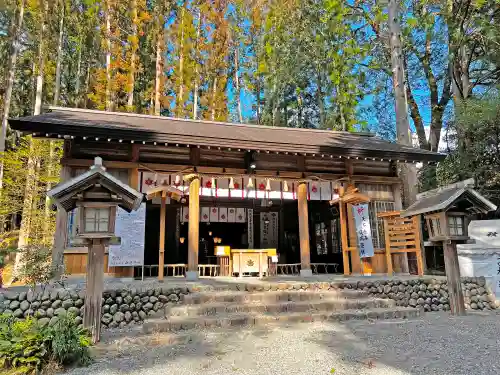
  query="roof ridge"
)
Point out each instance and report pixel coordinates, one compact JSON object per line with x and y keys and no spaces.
{"x":222,"y":123}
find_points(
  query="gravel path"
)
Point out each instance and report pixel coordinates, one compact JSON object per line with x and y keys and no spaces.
{"x":435,"y":344}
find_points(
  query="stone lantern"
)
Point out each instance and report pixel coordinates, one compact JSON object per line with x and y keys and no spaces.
{"x":97,"y":194}
{"x":447,"y":212}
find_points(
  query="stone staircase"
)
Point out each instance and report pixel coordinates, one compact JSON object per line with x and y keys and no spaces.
{"x":224,"y":308}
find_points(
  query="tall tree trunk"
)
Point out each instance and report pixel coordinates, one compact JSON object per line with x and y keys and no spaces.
{"x":196,"y":71}
{"x":401,"y":106}
{"x":50,"y":162}
{"x":408,"y":172}
{"x":14,"y":50}
{"x":78,"y":73}
{"x":133,"y":56}
{"x":87,"y":85}
{"x":214,"y":100}
{"x":160,"y":41}
{"x":29,"y":192}
{"x":44,"y":5}
{"x":57,"y":88}
{"x":179,"y":107}
{"x":107,"y":15}
{"x":237,"y":81}
{"x":320,"y":101}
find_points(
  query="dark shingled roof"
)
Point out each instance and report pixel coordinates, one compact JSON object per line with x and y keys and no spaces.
{"x":442,"y":198}
{"x":128,"y":127}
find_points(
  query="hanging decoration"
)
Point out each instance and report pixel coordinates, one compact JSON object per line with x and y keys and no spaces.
{"x":242,"y":186}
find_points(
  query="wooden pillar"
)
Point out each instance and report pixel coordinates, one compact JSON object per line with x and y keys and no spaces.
{"x":400,"y":259}
{"x":388,"y":255}
{"x":305,"y":253}
{"x":163,"y":217}
{"x":453,"y":278}
{"x":194,"y":227}
{"x":419,"y":245}
{"x":94,"y":287}
{"x":343,"y":237}
{"x":61,"y":234}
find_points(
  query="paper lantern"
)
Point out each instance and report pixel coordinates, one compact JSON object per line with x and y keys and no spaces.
{"x":231,"y":183}
{"x":181,"y":240}
{"x":268,"y":185}
{"x":285,"y":186}
{"x":250,"y":183}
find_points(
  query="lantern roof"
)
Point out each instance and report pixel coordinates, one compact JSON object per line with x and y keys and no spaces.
{"x":66,"y":194}
{"x":448,"y":197}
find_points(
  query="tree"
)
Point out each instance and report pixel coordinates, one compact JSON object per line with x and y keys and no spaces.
{"x":15,"y":33}
{"x":474,"y":146}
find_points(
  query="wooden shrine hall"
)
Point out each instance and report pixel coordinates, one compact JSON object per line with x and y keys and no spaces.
{"x":226,"y":199}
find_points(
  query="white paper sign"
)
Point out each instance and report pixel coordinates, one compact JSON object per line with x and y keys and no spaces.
{"x":363,"y":230}
{"x":131,"y":227}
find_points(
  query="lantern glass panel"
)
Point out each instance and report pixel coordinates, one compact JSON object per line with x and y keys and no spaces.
{"x":435,"y":227}
{"x":96,"y":220}
{"x":456,"y":225}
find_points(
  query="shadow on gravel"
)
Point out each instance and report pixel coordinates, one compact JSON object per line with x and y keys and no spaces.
{"x":436,"y":343}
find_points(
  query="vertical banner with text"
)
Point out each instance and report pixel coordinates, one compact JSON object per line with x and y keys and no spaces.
{"x":363,"y":230}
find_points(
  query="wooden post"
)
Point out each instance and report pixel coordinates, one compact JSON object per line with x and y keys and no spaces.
{"x":453,"y":278}
{"x":418,"y":244}
{"x":61,"y":234}
{"x":305,"y":253}
{"x":94,"y":287}
{"x":194,"y":227}
{"x":401,"y":259}
{"x":163,"y":217}
{"x":388,"y":255}
{"x":343,"y":235}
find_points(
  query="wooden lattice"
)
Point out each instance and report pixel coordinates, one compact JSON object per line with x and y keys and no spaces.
{"x":402,"y":235}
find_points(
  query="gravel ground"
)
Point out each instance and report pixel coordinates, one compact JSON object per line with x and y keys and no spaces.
{"x":434,"y":344}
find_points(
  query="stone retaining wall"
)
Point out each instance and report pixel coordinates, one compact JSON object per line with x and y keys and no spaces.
{"x":121,"y":307}
{"x":429,"y":294}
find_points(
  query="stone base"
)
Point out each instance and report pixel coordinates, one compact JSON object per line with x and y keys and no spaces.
{"x":306,"y":273}
{"x":191,"y":275}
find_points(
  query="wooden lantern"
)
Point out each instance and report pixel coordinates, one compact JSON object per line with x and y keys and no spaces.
{"x":97,"y":194}
{"x":447,"y":212}
{"x":447,"y":225}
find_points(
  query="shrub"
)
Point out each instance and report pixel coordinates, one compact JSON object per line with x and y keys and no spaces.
{"x":25,"y":347}
{"x":69,"y":343}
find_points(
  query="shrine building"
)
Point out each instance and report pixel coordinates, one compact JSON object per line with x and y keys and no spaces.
{"x":225,"y":199}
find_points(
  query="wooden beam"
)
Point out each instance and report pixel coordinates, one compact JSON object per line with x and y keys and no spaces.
{"x":453,"y":278}
{"x":194,"y":156}
{"x":349,"y":167}
{"x":159,"y":167}
{"x":134,"y":152}
{"x":305,"y":253}
{"x":163,"y":218}
{"x":193,"y":227}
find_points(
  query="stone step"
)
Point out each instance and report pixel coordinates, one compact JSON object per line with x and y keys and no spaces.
{"x":258,"y":307}
{"x":269,"y":296}
{"x":175,"y":324}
